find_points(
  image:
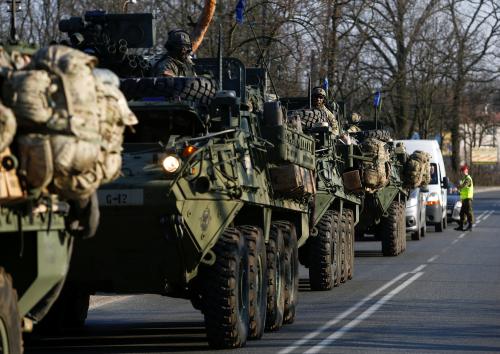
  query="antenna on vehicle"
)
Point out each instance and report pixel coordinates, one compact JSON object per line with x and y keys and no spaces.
{"x":263,"y":58}
{"x":309,"y":90}
{"x":219,"y":57}
{"x":15,"y":6}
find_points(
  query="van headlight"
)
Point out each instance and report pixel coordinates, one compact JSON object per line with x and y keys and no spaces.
{"x":433,"y":199}
{"x":171,"y":164}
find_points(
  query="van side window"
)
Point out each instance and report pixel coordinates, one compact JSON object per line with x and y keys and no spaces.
{"x":434,"y":174}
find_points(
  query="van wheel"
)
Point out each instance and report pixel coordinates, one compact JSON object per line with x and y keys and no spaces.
{"x":439,"y":227}
{"x":10,"y":321}
{"x":276,"y":279}
{"x":225,"y":290}
{"x":257,"y":280}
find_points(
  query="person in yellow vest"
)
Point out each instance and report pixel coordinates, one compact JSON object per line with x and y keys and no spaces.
{"x":466,"y":188}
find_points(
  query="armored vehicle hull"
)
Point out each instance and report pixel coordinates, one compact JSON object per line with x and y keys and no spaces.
{"x":35,"y":251}
{"x":214,"y":213}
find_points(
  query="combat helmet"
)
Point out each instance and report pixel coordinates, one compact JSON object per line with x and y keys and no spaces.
{"x":177,"y":39}
{"x":318,"y":91}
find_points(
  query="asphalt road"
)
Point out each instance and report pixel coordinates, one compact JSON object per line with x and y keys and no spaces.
{"x":442,"y":295}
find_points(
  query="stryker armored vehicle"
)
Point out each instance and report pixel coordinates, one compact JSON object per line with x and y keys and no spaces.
{"x":208,"y":208}
{"x":329,"y":255}
{"x":383,"y":209}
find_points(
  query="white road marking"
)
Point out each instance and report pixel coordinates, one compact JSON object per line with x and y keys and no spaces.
{"x":418,"y":269}
{"x":346,"y":313}
{"x":340,"y":317}
{"x":366,"y":314}
{"x":100,"y":301}
{"x":454,"y":241}
{"x":432,"y":259}
{"x":489,"y":214}
{"x":461,"y":236}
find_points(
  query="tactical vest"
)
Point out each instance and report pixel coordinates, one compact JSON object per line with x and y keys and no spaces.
{"x":467,"y":192}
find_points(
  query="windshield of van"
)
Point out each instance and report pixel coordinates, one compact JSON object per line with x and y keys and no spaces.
{"x":434,"y":174}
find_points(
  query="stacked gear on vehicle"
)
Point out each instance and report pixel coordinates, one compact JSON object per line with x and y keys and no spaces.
{"x":375,"y":173}
{"x":70,"y":121}
{"x":417,"y":169}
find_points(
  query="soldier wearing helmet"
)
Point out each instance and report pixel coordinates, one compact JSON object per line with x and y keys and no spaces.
{"x":318,"y":98}
{"x":355,"y":120}
{"x":177,"y":61}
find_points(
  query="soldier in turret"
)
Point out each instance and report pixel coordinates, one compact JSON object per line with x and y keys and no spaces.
{"x":177,"y":61}
{"x":318,"y":97}
{"x":355,"y":120}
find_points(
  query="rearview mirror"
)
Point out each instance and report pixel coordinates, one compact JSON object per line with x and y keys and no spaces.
{"x":445,"y":182}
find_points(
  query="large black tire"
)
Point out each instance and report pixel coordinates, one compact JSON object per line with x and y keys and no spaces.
{"x":439,"y":227}
{"x":69,"y":311}
{"x":348,"y":218}
{"x":10,"y":321}
{"x":402,"y":226}
{"x":416,"y":235}
{"x":200,"y":90}
{"x":309,"y":116}
{"x":383,"y":135}
{"x":291,"y":270}
{"x":324,"y":253}
{"x":389,"y":230}
{"x":343,"y":251}
{"x":276,"y":265}
{"x":225,"y":292}
{"x":257,"y":280}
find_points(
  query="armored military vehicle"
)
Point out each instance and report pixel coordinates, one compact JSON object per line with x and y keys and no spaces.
{"x":329,"y":254}
{"x":208,"y":208}
{"x":384,"y":201}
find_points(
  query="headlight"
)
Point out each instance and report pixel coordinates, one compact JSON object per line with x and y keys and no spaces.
{"x":412,"y":202}
{"x":433,"y":199}
{"x":171,"y":164}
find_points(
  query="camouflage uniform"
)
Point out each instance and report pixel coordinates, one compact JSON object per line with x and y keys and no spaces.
{"x":355,"y":119}
{"x":176,"y":62}
{"x":329,"y":117}
{"x":177,"y":67}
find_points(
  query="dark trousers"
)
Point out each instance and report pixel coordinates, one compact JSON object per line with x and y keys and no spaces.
{"x":466,"y":211}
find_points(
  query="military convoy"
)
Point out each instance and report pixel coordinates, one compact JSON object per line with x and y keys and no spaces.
{"x":221,"y":196}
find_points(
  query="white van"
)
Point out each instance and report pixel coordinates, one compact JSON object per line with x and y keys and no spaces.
{"x":436,"y":200}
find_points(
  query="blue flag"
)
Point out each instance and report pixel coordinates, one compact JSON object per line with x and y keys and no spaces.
{"x":240,"y":10}
{"x":326,"y":84}
{"x":377,"y":101}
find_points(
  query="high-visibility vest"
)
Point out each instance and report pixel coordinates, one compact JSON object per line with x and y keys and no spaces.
{"x":467,"y":192}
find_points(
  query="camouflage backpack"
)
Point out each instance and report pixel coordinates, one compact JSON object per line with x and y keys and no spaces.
{"x":417,"y":169}
{"x":71,"y":123}
{"x":7,"y":127}
{"x":375,"y":174}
